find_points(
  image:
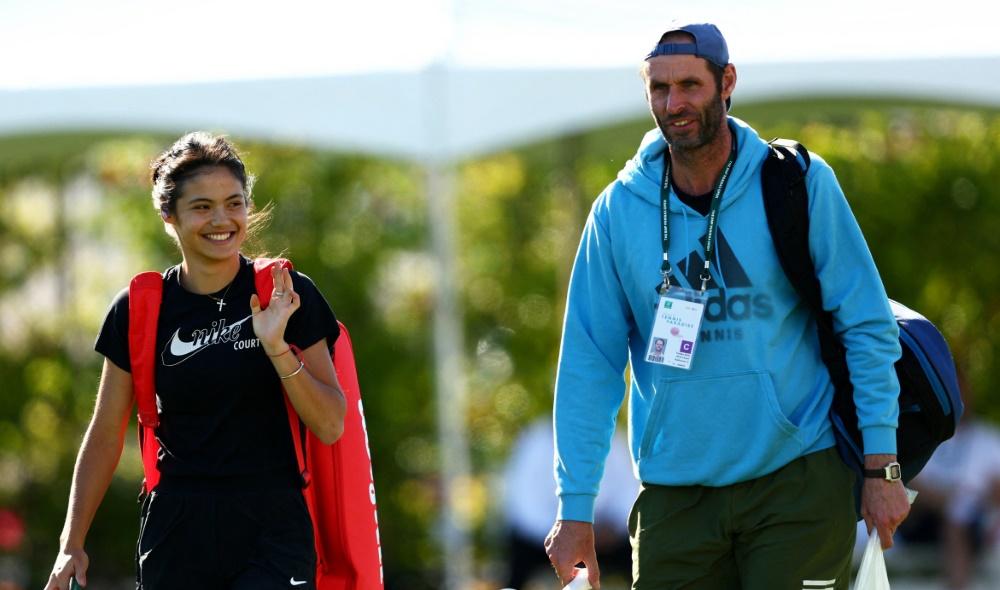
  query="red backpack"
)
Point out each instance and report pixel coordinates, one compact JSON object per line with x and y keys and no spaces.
{"x":337,"y":479}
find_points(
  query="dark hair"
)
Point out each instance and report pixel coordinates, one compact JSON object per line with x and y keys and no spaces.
{"x":188,"y":157}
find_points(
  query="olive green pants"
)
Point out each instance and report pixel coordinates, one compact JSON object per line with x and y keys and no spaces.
{"x":789,"y":530}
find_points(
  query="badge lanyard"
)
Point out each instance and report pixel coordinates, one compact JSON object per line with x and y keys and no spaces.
{"x":713,"y":217}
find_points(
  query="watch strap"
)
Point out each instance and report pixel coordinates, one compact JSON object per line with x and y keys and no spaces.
{"x":890,"y":472}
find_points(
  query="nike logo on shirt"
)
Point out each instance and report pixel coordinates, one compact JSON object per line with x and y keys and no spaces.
{"x":178,"y":350}
{"x":295,"y":582}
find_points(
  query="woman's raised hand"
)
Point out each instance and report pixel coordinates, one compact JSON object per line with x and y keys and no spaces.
{"x":269,"y":323}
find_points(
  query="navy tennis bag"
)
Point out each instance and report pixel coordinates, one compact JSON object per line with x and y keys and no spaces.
{"x":930,"y":404}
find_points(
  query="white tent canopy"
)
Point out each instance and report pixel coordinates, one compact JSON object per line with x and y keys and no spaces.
{"x":443,"y":113}
{"x":436,"y":80}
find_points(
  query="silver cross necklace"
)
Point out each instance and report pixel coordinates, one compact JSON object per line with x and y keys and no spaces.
{"x":221,"y":301}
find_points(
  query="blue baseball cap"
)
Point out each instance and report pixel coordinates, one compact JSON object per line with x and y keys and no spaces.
{"x":708,"y":44}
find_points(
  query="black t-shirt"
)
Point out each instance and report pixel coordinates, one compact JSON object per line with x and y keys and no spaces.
{"x":700,"y":203}
{"x":222,"y":412}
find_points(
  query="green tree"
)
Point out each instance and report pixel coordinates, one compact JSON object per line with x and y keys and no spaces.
{"x":922,"y":179}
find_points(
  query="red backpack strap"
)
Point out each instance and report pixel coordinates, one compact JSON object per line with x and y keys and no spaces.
{"x":145,"y":293}
{"x":264,"y":283}
{"x":262,"y":277}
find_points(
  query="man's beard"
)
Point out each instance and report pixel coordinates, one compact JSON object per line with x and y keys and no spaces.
{"x":709,"y":123}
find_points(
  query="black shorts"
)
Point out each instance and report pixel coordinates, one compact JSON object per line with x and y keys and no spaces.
{"x":251,"y":540}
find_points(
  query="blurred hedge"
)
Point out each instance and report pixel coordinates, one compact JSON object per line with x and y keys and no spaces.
{"x":923,"y":181}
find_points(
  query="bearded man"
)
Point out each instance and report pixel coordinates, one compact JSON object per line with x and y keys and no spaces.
{"x":729,"y":420}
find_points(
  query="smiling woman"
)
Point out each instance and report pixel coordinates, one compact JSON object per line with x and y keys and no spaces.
{"x":228,"y":510}
{"x":213,"y":174}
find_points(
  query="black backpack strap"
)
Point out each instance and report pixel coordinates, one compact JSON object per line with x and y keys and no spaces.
{"x":786,"y":204}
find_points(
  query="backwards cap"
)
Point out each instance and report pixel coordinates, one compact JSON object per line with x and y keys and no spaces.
{"x":709,"y":44}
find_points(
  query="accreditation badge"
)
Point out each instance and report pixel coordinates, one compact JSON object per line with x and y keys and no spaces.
{"x":674,"y":337}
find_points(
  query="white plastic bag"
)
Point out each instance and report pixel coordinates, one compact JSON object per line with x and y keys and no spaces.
{"x":871,"y":574}
{"x":580,"y":582}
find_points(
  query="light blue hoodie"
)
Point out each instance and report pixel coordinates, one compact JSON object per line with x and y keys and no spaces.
{"x":757,"y":395}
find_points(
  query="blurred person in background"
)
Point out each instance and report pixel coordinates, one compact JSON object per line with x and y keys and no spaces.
{"x":959,"y":503}
{"x":228,"y":511}
{"x":530,"y":504}
{"x":741,"y":484}
{"x":13,"y":569}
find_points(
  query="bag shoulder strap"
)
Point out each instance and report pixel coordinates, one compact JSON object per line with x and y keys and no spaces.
{"x":145,"y":293}
{"x":262,"y":277}
{"x":264,"y":285}
{"x":786,"y":205}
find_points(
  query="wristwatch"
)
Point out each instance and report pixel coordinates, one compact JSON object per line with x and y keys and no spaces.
{"x":891,"y":472}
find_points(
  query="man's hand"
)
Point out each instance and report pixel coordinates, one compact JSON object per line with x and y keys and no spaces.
{"x":884,"y":504}
{"x":568,"y":543}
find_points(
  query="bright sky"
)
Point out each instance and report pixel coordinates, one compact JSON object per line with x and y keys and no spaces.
{"x":65,"y":43}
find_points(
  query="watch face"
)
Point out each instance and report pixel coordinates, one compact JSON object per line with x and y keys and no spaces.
{"x":893,"y":472}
